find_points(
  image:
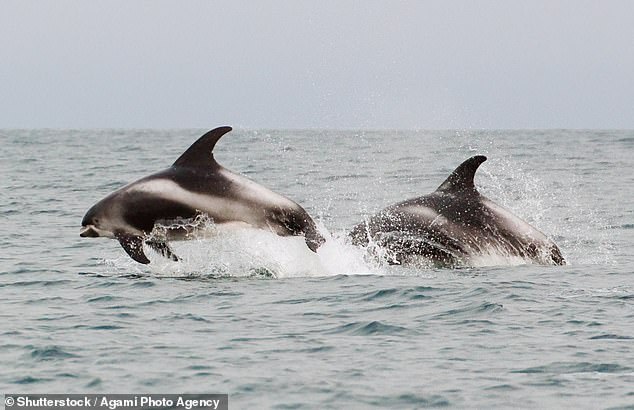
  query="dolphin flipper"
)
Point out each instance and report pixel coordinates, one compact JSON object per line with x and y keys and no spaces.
{"x":133,"y":245}
{"x":163,"y":248}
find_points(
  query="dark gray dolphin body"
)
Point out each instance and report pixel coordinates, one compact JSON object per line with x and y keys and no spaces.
{"x":454,"y":224}
{"x":195,"y":185}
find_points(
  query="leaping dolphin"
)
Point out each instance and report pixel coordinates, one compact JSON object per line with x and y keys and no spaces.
{"x":453,"y":224}
{"x":195,"y":185}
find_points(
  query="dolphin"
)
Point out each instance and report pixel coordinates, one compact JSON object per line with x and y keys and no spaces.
{"x":194,"y":186}
{"x":452,"y":225}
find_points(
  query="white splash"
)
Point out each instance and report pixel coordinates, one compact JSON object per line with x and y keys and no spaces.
{"x":239,"y":251}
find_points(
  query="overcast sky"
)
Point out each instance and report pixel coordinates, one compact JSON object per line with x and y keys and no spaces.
{"x":317,"y":64}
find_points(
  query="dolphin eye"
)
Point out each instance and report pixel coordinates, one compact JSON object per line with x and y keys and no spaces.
{"x":96,"y":220}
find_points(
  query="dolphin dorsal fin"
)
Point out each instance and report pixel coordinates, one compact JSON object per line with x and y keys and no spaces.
{"x":462,"y":177}
{"x":200,"y":153}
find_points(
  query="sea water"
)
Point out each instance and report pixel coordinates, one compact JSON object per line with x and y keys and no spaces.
{"x":274,"y":325}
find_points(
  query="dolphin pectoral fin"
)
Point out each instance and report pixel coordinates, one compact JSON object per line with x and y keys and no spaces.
{"x":133,"y":245}
{"x":164,"y":249}
{"x":403,"y":247}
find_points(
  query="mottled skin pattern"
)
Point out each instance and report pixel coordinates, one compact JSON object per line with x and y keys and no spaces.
{"x":453,"y":224}
{"x":195,"y":185}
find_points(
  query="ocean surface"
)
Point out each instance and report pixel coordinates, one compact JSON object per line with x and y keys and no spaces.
{"x":273,"y":325}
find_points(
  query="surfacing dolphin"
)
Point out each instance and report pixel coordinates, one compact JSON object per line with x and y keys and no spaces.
{"x":452,"y":225}
{"x":194,"y":186}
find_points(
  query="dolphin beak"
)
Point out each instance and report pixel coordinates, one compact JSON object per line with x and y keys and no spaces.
{"x":88,"y":231}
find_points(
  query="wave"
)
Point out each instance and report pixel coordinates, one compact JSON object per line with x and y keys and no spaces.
{"x":368,"y":329}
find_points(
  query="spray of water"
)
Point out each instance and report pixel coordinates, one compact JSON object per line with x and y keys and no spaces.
{"x":215,"y":251}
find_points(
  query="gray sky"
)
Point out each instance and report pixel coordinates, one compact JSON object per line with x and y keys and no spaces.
{"x":317,"y":64}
